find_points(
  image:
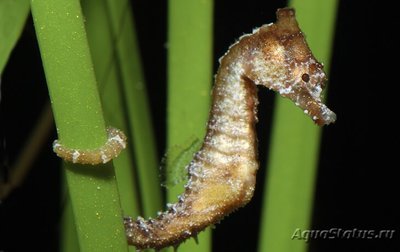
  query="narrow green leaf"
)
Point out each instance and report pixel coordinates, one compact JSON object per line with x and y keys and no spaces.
{"x":13,"y":15}
{"x":77,"y":110}
{"x":189,"y":82}
{"x":135,"y":102}
{"x":288,"y":194}
{"x":102,"y":42}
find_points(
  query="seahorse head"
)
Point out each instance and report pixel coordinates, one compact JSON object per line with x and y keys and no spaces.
{"x":284,"y":63}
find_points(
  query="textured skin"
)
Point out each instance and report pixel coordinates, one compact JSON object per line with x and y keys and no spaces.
{"x":116,"y":142}
{"x":222,"y":174}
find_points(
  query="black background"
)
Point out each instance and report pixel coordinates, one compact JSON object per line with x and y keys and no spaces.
{"x":357,"y":183}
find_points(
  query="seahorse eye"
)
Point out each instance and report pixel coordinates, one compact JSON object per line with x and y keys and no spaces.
{"x":305,"y":77}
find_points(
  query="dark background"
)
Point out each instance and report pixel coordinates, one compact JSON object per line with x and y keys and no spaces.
{"x":357,"y":183}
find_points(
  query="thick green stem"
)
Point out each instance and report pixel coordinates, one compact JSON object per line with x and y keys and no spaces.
{"x":189,"y":82}
{"x":76,"y":105}
{"x":293,"y":159}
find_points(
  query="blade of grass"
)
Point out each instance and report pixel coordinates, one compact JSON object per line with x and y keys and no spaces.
{"x":102,"y":47}
{"x":189,"y":81}
{"x":13,"y":15}
{"x":288,"y":194}
{"x":117,"y":65}
{"x":136,"y":104}
{"x":76,"y":105}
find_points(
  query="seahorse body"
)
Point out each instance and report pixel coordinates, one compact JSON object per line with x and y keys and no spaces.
{"x":222,"y":174}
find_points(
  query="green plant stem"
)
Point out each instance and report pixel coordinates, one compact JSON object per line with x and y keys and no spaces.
{"x":189,"y":82}
{"x":134,"y":97}
{"x":76,"y":105}
{"x":102,"y":46}
{"x":116,"y":59}
{"x":292,"y":166}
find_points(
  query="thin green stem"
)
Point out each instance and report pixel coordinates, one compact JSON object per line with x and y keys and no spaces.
{"x":189,"y":82}
{"x":293,"y":158}
{"x":102,"y":42}
{"x":77,"y":110}
{"x":135,"y":102}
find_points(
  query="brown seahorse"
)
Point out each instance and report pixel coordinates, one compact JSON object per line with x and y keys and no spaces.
{"x":222,"y":173}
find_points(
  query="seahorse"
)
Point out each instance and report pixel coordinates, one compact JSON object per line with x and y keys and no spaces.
{"x":222,"y":174}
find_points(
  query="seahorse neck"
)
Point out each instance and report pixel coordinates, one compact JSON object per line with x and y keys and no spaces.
{"x":234,"y":103}
{"x":233,"y":113}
